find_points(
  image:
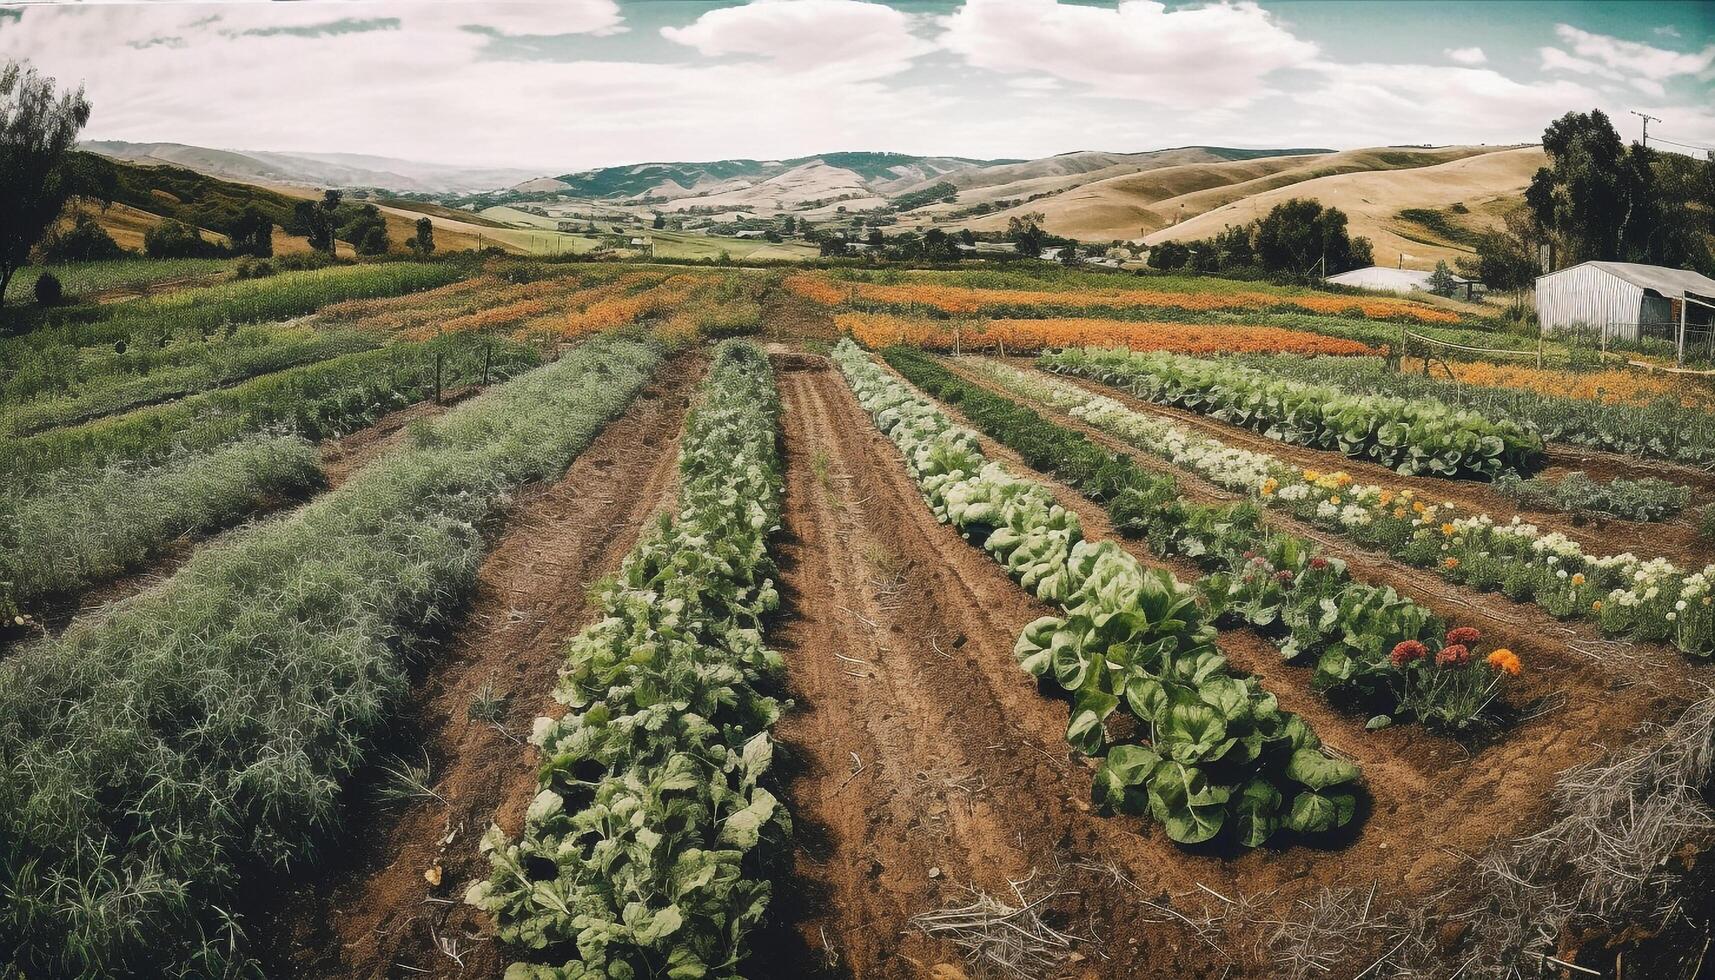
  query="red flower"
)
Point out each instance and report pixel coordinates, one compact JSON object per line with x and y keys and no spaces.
{"x":1465,"y":635}
{"x":1407,"y":651}
{"x":1318,"y":563}
{"x":1456,"y":655}
{"x":1284,"y":575}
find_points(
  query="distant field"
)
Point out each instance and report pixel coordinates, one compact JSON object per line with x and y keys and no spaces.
{"x":87,"y":278}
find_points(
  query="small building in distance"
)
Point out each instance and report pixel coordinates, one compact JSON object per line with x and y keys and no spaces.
{"x":1400,"y":281}
{"x":1626,"y":300}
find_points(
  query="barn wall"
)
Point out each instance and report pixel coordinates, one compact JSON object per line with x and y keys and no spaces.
{"x":1585,"y":296}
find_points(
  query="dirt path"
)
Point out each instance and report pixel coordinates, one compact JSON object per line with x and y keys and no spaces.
{"x":1676,"y":540}
{"x":371,"y":913}
{"x":1431,"y":800}
{"x":346,"y":455}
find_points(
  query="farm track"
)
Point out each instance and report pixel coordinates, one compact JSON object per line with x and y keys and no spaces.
{"x":1675,"y":540}
{"x":370,"y":912}
{"x":1433,"y":802}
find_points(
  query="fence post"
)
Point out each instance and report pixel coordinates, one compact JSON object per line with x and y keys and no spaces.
{"x":1539,"y":350}
{"x":439,"y":357}
{"x":487,"y":359}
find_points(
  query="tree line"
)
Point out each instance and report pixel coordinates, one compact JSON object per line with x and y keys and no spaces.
{"x":1298,"y":240}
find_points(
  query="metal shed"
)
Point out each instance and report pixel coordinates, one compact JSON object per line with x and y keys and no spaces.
{"x":1626,"y":301}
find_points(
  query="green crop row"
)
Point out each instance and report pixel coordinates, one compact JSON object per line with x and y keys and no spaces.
{"x":643,"y":852}
{"x":256,"y":351}
{"x":94,"y":525}
{"x":196,"y":739}
{"x":319,"y":400}
{"x":51,"y":359}
{"x":1221,"y":756}
{"x":1662,"y":430}
{"x":1410,"y":435}
{"x":1307,"y":603}
{"x":1649,"y":599}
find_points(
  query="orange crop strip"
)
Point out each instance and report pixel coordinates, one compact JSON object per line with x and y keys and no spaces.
{"x":962,"y":299}
{"x":1612,"y":386}
{"x":882,"y":329}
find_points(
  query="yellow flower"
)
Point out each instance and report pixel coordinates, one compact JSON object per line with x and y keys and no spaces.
{"x":1417,"y":505}
{"x":1335,"y":499}
{"x":1447,"y":530}
{"x":1577,"y":578}
{"x":1312,"y":476}
{"x":1387,"y":497}
{"x":1596,"y":605}
{"x":1399,"y":512}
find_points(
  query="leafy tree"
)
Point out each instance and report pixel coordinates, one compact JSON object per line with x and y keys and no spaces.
{"x":1506,"y":260}
{"x":84,"y":241}
{"x":1302,"y":239}
{"x":789,"y":225}
{"x":1169,"y":256}
{"x":252,"y":234}
{"x":423,"y":242}
{"x":177,"y":240}
{"x":660,"y":221}
{"x":315,"y":220}
{"x":967,"y":236}
{"x":875,"y":237}
{"x":38,"y":128}
{"x":1441,"y":281}
{"x":1582,"y":197}
{"x":833,"y":245}
{"x":1027,"y":234}
{"x":366,"y":231}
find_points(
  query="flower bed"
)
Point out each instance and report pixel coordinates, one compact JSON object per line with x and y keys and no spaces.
{"x":883,"y":329}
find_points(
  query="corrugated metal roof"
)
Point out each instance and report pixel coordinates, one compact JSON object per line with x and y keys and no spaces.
{"x":1671,"y":283}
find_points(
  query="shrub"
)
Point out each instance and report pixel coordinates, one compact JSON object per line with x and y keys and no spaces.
{"x":177,"y":240}
{"x":84,"y":241}
{"x":48,"y":289}
{"x":254,"y":269}
{"x":1648,"y":499}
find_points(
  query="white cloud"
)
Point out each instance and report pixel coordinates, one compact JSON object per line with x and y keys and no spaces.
{"x":1437,"y":103}
{"x":1210,"y":56}
{"x":1630,"y":58}
{"x":1467,"y":56}
{"x":850,"y":37}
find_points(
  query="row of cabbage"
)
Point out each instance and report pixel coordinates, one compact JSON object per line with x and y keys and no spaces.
{"x":1215,"y":751}
{"x":199,"y":737}
{"x":646,"y":850}
{"x":1666,"y":428}
{"x":1413,"y":436}
{"x":1627,"y":595}
{"x":1373,"y":650}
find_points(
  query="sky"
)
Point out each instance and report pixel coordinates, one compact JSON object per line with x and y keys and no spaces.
{"x":564,"y":85}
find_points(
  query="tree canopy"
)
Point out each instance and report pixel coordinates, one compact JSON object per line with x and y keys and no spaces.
{"x":38,"y":128}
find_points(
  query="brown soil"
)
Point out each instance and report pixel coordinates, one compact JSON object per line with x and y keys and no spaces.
{"x":369,"y":912}
{"x":1676,"y":540}
{"x":965,"y":767}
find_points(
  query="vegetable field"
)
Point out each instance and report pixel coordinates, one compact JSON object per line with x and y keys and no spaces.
{"x":519,"y":619}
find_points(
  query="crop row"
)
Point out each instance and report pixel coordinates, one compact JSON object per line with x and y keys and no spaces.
{"x":82,"y":278}
{"x":193,"y":314}
{"x":328,"y":398}
{"x":855,"y":294}
{"x":103,"y":389}
{"x":1356,"y":635}
{"x":644,"y":852}
{"x":1663,"y":429}
{"x":878,"y":330}
{"x":1411,"y":435}
{"x":197,"y":738}
{"x":1220,"y":754}
{"x":1645,"y":599}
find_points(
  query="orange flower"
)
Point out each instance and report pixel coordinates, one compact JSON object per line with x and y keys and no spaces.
{"x":1596,"y":605}
{"x":1451,"y":563}
{"x":1504,"y":661}
{"x":882,"y":329}
{"x":1577,"y":578}
{"x":1447,"y":530}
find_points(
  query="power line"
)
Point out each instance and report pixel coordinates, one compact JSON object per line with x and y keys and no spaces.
{"x":1692,"y":146}
{"x":1647,"y":118}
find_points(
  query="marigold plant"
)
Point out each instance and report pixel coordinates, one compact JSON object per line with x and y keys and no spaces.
{"x":883,"y":329}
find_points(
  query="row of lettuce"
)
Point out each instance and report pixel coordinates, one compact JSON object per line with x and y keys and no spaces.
{"x":1216,"y":754}
{"x":1372,"y":649}
{"x":152,"y":758}
{"x":1627,"y":595}
{"x":647,"y":849}
{"x":1663,"y":429}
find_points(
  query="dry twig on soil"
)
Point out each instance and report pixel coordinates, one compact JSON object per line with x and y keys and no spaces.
{"x":1007,"y":940}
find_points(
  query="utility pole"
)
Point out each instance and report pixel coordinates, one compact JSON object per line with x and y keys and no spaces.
{"x":1647,"y":118}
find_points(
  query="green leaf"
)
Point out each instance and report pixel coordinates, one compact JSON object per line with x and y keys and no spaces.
{"x":1318,"y":771}
{"x":1314,"y":813}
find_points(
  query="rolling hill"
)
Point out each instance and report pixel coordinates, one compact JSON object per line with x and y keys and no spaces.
{"x":313,"y":169}
{"x":862,"y":171}
{"x":1480,"y":183}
